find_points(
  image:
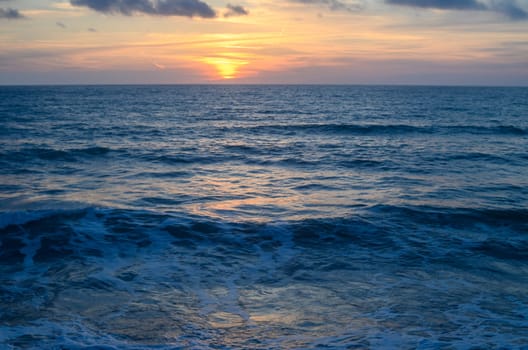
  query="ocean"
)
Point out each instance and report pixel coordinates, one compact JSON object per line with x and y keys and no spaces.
{"x":263,"y":217}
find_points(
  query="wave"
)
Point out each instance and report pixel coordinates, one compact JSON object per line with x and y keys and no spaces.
{"x":484,"y":130}
{"x":339,"y":128}
{"x":366,"y":163}
{"x":22,"y":217}
{"x":479,"y":156}
{"x":182,"y":159}
{"x":375,"y":227}
{"x":385,"y":129}
{"x":503,"y":250}
{"x":162,"y":174}
{"x":44,"y":153}
{"x":458,"y":217}
{"x":132,"y":278}
{"x":426,"y":215}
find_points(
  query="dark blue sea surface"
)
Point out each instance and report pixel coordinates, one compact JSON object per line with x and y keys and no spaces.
{"x":263,"y":217}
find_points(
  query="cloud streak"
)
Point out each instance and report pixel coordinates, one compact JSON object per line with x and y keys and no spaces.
{"x":10,"y":13}
{"x":508,"y":8}
{"x":441,"y":4}
{"x":185,"y":8}
{"x":235,"y":10}
{"x":334,"y":5}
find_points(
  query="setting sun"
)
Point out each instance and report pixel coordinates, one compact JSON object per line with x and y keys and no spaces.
{"x":227,"y":68}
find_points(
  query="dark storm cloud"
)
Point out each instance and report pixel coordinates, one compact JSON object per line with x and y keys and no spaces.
{"x":334,"y":5}
{"x":187,"y":8}
{"x":235,"y":10}
{"x":508,"y":8}
{"x":10,"y":13}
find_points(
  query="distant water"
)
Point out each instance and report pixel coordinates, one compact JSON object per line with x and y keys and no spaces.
{"x":263,"y":217}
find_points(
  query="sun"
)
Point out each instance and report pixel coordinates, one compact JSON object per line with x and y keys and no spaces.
{"x":226,"y":67}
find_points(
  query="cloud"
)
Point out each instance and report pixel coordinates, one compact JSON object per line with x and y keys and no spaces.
{"x":508,"y":8}
{"x":441,"y":4}
{"x":10,"y":13}
{"x":334,"y":5}
{"x":186,"y":8}
{"x":235,"y":10}
{"x":60,"y":24}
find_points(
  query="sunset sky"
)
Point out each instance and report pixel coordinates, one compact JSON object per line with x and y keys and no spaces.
{"x":465,"y":42}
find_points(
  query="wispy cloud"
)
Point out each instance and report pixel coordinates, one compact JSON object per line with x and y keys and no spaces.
{"x":509,"y":8}
{"x":334,"y":5}
{"x":186,"y":8}
{"x":441,"y":4}
{"x":10,"y":13}
{"x":235,"y":10}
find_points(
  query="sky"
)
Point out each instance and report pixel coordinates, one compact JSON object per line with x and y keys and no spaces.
{"x":426,"y":42}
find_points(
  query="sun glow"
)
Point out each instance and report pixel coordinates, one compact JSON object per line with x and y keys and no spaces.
{"x":226,"y":67}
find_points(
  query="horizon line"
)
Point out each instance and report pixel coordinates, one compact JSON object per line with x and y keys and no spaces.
{"x":261,"y":84}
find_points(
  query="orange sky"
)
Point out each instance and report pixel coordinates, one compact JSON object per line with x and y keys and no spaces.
{"x":296,"y":41}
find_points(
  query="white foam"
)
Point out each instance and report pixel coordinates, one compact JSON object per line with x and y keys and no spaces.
{"x":31,"y":246}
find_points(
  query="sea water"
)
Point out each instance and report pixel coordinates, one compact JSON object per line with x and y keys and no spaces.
{"x":263,"y":217}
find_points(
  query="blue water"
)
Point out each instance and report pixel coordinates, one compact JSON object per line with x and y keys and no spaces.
{"x":263,"y":217}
